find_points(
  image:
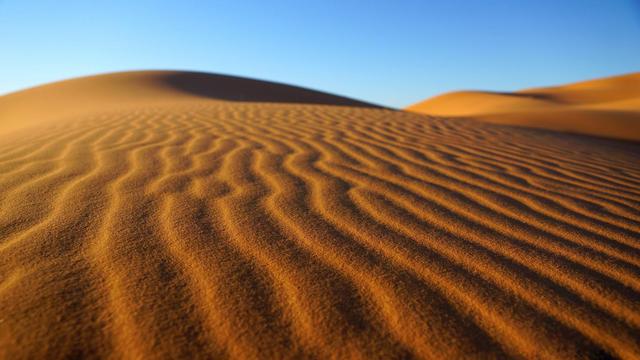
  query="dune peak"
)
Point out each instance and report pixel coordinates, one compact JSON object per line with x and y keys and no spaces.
{"x":100,"y":93}
{"x":607,"y":107}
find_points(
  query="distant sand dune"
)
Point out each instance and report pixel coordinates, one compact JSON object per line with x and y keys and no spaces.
{"x":607,"y":107}
{"x":207,"y":227}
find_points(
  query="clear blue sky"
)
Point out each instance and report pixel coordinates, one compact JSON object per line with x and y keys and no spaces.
{"x":390,"y":52}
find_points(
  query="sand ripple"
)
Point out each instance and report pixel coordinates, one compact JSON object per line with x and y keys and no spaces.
{"x":210,"y":229}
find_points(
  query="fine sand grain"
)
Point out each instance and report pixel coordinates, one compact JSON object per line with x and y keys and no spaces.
{"x":147,"y":217}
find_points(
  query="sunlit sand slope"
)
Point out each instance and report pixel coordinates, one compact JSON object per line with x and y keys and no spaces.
{"x":226,"y":229}
{"x":607,"y":107}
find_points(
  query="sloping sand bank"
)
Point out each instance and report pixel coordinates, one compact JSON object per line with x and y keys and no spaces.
{"x":608,"y":107}
{"x":214,"y":228}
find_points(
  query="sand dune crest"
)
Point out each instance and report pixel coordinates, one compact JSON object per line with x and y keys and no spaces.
{"x":608,"y":107}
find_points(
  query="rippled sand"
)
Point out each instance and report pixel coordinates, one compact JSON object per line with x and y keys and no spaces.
{"x":252,"y":229}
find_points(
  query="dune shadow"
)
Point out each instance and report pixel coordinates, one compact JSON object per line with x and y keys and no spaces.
{"x":527,"y":95}
{"x":232,"y":88}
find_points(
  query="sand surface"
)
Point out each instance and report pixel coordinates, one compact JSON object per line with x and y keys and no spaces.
{"x":155,"y":220}
{"x":608,"y":107}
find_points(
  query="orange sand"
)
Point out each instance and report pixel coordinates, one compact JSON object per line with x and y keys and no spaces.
{"x":180,"y":215}
{"x":607,"y":107}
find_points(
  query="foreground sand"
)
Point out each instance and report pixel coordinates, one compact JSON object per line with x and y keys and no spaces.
{"x":608,"y":107}
{"x":208,"y":228}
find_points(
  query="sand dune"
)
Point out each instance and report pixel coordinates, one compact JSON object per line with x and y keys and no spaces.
{"x":608,"y":107}
{"x":167,"y":223}
{"x":55,"y":102}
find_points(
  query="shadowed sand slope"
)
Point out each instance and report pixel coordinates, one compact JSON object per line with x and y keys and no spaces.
{"x":607,"y":107}
{"x":203,"y":228}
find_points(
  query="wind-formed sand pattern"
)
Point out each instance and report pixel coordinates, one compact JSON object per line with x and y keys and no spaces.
{"x":208,"y":228}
